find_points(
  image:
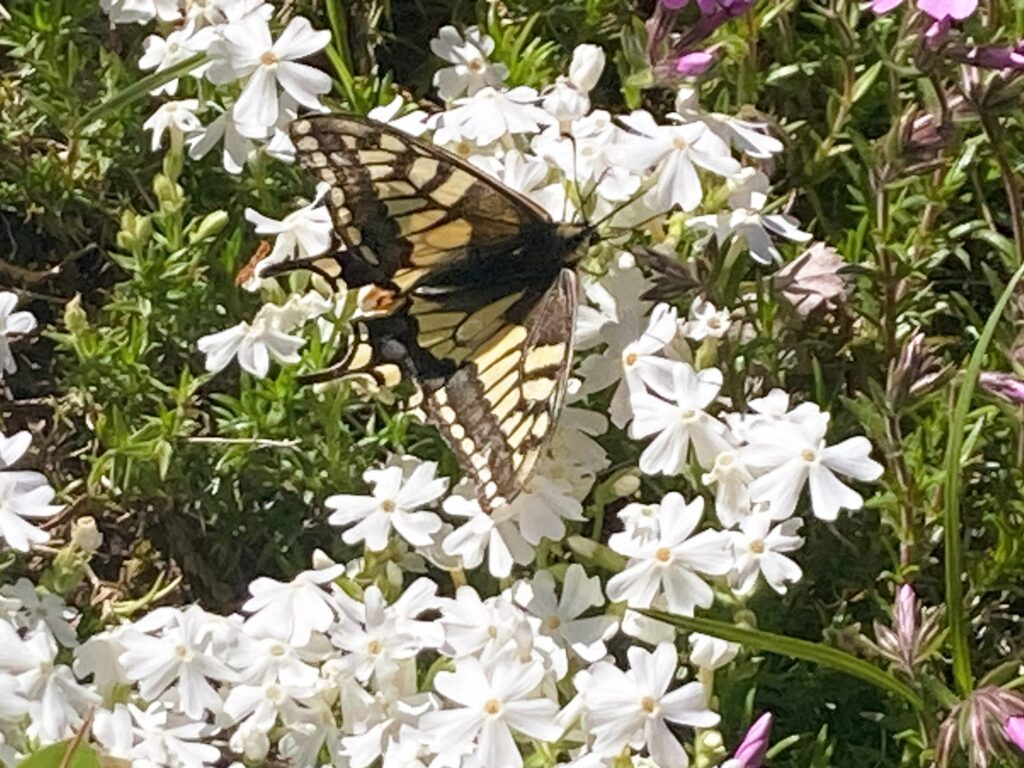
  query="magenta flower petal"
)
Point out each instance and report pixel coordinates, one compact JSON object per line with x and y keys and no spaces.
{"x":1014,"y":730}
{"x":948,"y":9}
{"x":691,"y":64}
{"x":884,"y":6}
{"x":750,"y":753}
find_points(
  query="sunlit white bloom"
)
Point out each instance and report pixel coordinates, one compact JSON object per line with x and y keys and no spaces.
{"x":791,"y":454}
{"x":731,"y":480}
{"x":750,"y":138}
{"x":13,"y":705}
{"x":254,"y":344}
{"x":633,"y":708}
{"x":495,"y":535}
{"x":560,"y":617}
{"x":747,"y":199}
{"x":710,"y":652}
{"x":675,"y":152}
{"x":259,"y":706}
{"x":397,"y":502}
{"x":305,"y":739}
{"x":154,"y":737}
{"x":706,"y":321}
{"x":237,"y":148}
{"x":57,"y":702}
{"x":679,"y":422}
{"x":176,"y":117}
{"x":140,"y":11}
{"x":248,"y":51}
{"x":492,"y":703}
{"x":639,"y":522}
{"x":257,"y":659}
{"x":293,"y":611}
{"x":541,"y":509}
{"x":670,"y":563}
{"x":388,"y":730}
{"x":13,"y":448}
{"x":97,"y":658}
{"x":301,"y":234}
{"x":162,"y":53}
{"x":180,"y":655}
{"x":480,"y":627}
{"x":12,"y":324}
{"x":758,"y":550}
{"x":24,"y":495}
{"x":490,"y":114}
{"x":472,"y":71}
{"x":378,"y":645}
{"x":568,"y":99}
{"x":414,"y":123}
{"x":41,"y":610}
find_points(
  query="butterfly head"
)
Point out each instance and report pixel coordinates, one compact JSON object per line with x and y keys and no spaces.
{"x":575,"y":240}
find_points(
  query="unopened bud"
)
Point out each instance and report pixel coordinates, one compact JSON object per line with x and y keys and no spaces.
{"x":75,"y":319}
{"x":86,"y":536}
{"x":626,"y":486}
{"x":210,"y":226}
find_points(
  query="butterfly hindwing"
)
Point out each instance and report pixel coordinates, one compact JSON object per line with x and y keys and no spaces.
{"x":499,"y":408}
{"x":403,"y":208}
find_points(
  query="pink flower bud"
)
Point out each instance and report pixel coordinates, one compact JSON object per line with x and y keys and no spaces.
{"x":692,"y":64}
{"x":1014,"y":730}
{"x":750,"y":753}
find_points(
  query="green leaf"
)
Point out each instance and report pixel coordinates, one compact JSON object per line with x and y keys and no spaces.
{"x":793,"y":648}
{"x":55,"y":756}
{"x":952,"y":533}
{"x":865,"y":81}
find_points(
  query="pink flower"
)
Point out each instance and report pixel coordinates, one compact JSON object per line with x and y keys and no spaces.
{"x":1014,"y":730}
{"x":750,"y":753}
{"x":692,"y":64}
{"x":948,"y":9}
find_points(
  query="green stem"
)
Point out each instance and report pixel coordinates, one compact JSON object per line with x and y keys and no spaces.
{"x":793,"y":648}
{"x":139,"y":89}
{"x":993,"y":130}
{"x":953,"y":554}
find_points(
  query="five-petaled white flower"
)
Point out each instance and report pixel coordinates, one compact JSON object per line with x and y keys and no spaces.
{"x":472,"y":70}
{"x":493,"y":702}
{"x":301,"y":234}
{"x":177,"y":117}
{"x":758,"y":549}
{"x":249,"y":51}
{"x":397,"y":502}
{"x":254,"y":344}
{"x":633,"y":708}
{"x":24,"y":495}
{"x":791,"y":453}
{"x":670,"y":561}
{"x":680,"y":421}
{"x":11,"y":324}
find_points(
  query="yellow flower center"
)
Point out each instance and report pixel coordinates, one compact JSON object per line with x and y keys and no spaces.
{"x":387,"y":505}
{"x":269,"y":59}
{"x":648,"y":705}
{"x":808,"y":455}
{"x":663,"y":555}
{"x":492,"y":706}
{"x":757,"y":546}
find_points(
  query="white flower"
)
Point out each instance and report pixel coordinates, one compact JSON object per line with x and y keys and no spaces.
{"x":674,"y":151}
{"x":560,"y":617}
{"x":41,"y":610}
{"x":162,"y":53}
{"x":11,"y":324}
{"x":13,"y":448}
{"x":495,"y":534}
{"x":259,"y":706}
{"x":792,"y":453}
{"x":568,"y":99}
{"x":758,"y":547}
{"x":24,"y":495}
{"x":57,"y":702}
{"x":479,"y":627}
{"x":302,"y":234}
{"x":679,"y":422}
{"x":248,"y":50}
{"x":259,"y":659}
{"x":472,"y":71}
{"x":237,"y":148}
{"x":747,"y":199}
{"x":178,"y":117}
{"x":293,"y":611}
{"x":414,"y":123}
{"x":731,"y":480}
{"x":489,"y":115}
{"x":12,"y":704}
{"x":542,"y":506}
{"x":494,"y":702}
{"x":140,"y":11}
{"x":709,"y":652}
{"x":180,"y":656}
{"x":254,"y":344}
{"x":670,"y":562}
{"x":706,"y":321}
{"x":397,"y":502}
{"x":633,"y":708}
{"x":162,"y":739}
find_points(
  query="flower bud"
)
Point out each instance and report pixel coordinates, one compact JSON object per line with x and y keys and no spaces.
{"x":693,"y":64}
{"x":75,"y":319}
{"x":750,"y":753}
{"x":86,"y":536}
{"x":1013,"y":729}
{"x":210,"y":226}
{"x":626,"y":486}
{"x":587,"y":65}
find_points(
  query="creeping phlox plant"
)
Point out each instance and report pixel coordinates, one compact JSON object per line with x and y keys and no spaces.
{"x":539,"y":635}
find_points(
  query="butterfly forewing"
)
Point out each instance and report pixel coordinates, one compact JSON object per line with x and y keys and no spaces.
{"x":402,"y":207}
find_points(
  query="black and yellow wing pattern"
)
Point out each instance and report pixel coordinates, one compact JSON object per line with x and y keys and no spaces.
{"x":466,"y":289}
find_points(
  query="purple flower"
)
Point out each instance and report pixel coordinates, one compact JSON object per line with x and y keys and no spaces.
{"x":693,"y":64}
{"x":1006,"y":385}
{"x":1014,"y":730}
{"x":997,"y":56}
{"x":750,"y":753}
{"x":948,"y":9}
